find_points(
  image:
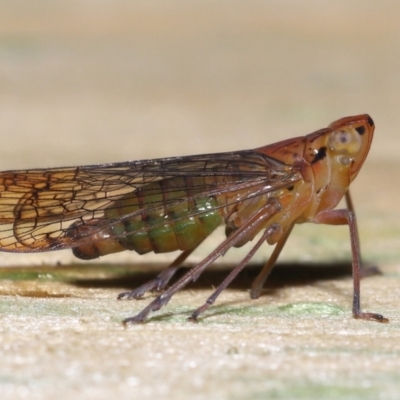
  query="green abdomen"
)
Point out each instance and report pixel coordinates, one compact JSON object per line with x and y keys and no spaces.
{"x":160,"y":217}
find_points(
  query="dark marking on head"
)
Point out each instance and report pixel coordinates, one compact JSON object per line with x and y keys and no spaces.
{"x":320,"y":155}
{"x":361,"y":130}
{"x":370,"y":121}
{"x":290,"y":187}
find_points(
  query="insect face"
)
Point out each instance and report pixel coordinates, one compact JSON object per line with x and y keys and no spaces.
{"x":350,"y":141}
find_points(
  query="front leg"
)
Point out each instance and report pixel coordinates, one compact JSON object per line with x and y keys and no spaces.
{"x":347,"y":217}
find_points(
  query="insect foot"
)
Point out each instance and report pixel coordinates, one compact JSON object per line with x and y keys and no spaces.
{"x":372,"y":317}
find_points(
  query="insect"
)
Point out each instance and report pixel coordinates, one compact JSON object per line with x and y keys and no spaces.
{"x":169,"y":204}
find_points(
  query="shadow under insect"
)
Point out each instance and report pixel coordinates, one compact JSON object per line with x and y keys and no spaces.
{"x":285,"y":274}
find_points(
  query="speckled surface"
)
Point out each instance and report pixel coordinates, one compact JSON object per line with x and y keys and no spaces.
{"x":83,"y":83}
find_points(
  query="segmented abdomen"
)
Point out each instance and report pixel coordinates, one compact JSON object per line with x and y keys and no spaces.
{"x":163,"y":216}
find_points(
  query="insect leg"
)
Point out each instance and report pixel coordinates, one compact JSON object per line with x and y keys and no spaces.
{"x":347,"y":217}
{"x":258,"y":283}
{"x":268,"y":232}
{"x":160,"y":281}
{"x":252,"y":225}
{"x":349,"y":201}
{"x":365,"y":270}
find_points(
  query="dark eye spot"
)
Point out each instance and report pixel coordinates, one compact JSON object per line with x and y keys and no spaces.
{"x":370,"y":121}
{"x":320,"y":155}
{"x":290,"y":187}
{"x":361,"y":130}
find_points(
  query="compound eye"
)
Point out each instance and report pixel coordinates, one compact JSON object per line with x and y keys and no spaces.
{"x":345,"y":141}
